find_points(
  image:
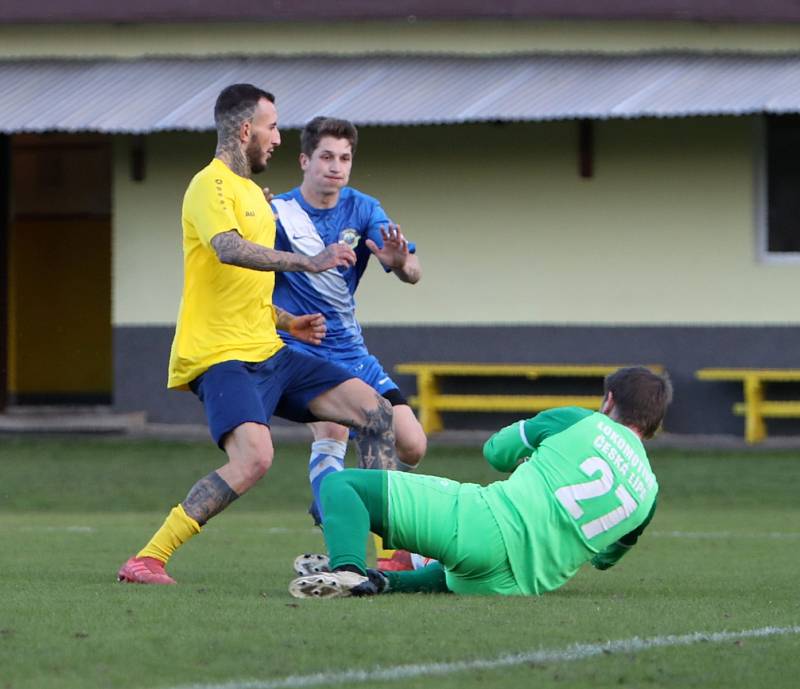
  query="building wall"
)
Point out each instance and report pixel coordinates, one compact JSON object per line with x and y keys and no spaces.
{"x":343,"y":38}
{"x":508,"y":231}
{"x":141,"y":353}
{"x":652,"y":260}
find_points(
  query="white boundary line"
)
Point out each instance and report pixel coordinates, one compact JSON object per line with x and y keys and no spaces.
{"x":712,"y":535}
{"x":569,"y":654}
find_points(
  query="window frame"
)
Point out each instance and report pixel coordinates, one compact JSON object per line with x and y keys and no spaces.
{"x":761,"y":152}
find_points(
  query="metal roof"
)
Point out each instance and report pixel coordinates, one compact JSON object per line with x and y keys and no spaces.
{"x":161,"y":94}
{"x":78,"y":11}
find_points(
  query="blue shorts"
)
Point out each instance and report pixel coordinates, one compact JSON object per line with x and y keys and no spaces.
{"x":237,"y":392}
{"x":361,"y":365}
{"x":368,"y":369}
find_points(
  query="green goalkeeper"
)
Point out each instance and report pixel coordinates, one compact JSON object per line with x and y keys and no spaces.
{"x":581,"y":490}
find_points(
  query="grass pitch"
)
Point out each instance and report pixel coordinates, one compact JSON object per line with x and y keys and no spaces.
{"x":720,"y":556}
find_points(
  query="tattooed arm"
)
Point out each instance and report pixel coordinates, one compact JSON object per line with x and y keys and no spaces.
{"x":232,"y":249}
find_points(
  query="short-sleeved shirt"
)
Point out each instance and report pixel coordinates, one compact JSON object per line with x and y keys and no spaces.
{"x":582,"y":490}
{"x":226,"y":311}
{"x":306,"y":230}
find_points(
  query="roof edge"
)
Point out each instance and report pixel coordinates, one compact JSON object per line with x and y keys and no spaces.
{"x":176,"y":11}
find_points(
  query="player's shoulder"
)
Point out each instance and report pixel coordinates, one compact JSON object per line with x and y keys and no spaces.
{"x":356,"y":197}
{"x":554,"y":421}
{"x":568,"y":415}
{"x":291,"y":195}
{"x":203,"y":174}
{"x":289,"y":208}
{"x":215,"y":175}
{"x":201,"y":188}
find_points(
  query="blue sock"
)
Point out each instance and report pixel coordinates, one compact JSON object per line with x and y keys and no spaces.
{"x":327,"y":456}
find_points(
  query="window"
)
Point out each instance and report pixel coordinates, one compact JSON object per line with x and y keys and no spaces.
{"x":780,"y":214}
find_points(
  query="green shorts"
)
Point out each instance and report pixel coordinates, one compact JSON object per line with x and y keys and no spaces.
{"x":452,"y":522}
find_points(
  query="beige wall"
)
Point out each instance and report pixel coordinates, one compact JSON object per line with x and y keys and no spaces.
{"x":508,"y":231}
{"x":148,"y":273}
{"x":471,"y":37}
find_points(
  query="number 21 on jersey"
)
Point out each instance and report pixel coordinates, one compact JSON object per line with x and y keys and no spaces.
{"x":571,"y":496}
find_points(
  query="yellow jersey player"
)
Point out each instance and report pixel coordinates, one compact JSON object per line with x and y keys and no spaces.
{"x":226,"y":349}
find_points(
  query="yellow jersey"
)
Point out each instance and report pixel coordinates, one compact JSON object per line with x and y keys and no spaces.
{"x":226,"y":311}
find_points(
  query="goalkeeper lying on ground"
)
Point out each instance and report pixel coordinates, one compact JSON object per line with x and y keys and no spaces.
{"x":581,"y":490}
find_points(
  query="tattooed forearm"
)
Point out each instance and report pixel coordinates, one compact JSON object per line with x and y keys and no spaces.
{"x":208,"y":497}
{"x":375,"y":439}
{"x":232,"y":249}
{"x":283,"y":319}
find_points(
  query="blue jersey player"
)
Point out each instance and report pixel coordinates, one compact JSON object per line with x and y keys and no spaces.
{"x":322,"y":211}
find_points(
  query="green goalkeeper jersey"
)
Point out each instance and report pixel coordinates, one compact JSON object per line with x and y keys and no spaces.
{"x":586,"y":493}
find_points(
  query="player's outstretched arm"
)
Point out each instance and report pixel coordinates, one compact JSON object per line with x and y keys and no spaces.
{"x":395,"y":254}
{"x":233,"y":249}
{"x":309,"y":327}
{"x":507,"y":447}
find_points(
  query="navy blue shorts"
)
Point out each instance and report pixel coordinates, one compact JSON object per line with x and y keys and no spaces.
{"x":235,"y":392}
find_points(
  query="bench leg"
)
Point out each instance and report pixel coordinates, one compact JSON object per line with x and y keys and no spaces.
{"x":427,"y":393}
{"x":755,"y":430}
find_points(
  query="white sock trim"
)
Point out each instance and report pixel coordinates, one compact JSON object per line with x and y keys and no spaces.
{"x":329,"y":446}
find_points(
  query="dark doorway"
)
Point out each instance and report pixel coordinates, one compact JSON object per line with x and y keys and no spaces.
{"x":58,"y":245}
{"x":5,"y":190}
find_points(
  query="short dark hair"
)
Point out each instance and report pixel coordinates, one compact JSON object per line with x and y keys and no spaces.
{"x":641,"y":397}
{"x":238,"y":102}
{"x":326,"y":126}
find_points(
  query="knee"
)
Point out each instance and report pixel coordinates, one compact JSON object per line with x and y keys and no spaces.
{"x":411,"y":450}
{"x":257,"y":462}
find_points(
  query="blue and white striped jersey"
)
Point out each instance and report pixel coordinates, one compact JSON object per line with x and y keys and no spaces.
{"x":303,"y":229}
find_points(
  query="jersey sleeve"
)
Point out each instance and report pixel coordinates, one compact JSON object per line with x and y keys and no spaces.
{"x":377,"y":218}
{"x":209,"y":207}
{"x":506,"y":447}
{"x":512,"y":443}
{"x":613,"y":553}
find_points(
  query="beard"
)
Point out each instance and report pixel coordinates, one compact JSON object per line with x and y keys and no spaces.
{"x":254,"y":156}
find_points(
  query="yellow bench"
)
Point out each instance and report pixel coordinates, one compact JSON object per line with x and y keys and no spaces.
{"x":755,"y":408}
{"x":430,"y":401}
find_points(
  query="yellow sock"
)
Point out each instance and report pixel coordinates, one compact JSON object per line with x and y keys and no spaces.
{"x":177,"y":528}
{"x":381,"y":553}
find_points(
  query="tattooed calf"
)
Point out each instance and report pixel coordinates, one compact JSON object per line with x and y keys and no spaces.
{"x":208,"y":497}
{"x":375,"y":441}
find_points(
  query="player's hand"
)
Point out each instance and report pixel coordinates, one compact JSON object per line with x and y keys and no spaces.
{"x":394,"y":253}
{"x":333,"y":256}
{"x":310,"y":327}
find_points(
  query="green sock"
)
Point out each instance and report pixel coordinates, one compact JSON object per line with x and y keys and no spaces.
{"x":353,"y":502}
{"x":429,"y":579}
